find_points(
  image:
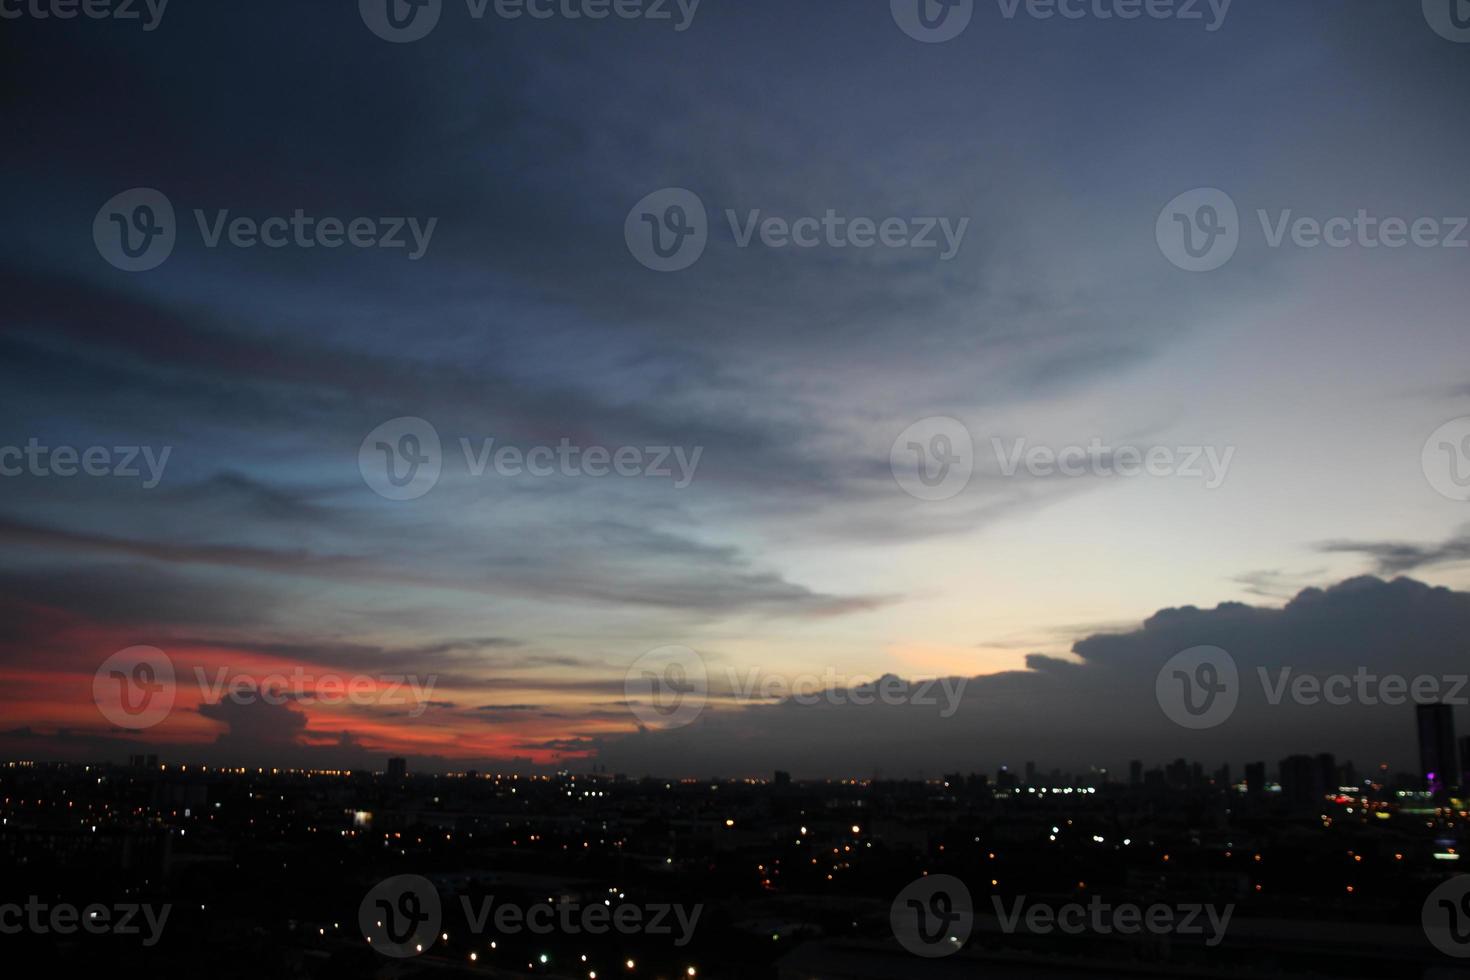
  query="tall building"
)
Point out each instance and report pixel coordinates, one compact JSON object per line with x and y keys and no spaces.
{"x":1303,"y":782}
{"x":397,"y":768}
{"x":1327,"y":772}
{"x":1255,"y":777}
{"x":1465,"y":762}
{"x":1135,"y":772}
{"x":1437,"y":764}
{"x":1030,"y":774}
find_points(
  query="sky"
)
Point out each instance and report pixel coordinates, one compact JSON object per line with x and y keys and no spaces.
{"x":1305,"y":511}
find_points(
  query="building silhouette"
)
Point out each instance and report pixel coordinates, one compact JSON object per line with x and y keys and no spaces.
{"x":1437,"y":763}
{"x":1306,"y":779}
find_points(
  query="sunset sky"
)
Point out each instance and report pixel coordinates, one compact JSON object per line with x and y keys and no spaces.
{"x":793,"y":550}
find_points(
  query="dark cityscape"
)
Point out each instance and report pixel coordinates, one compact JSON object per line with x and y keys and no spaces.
{"x":1320,"y":870}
